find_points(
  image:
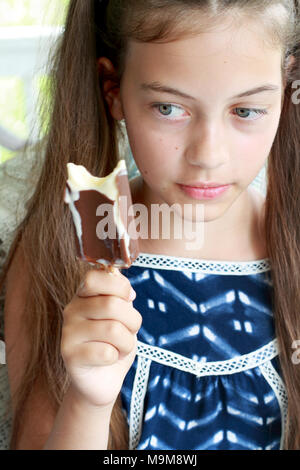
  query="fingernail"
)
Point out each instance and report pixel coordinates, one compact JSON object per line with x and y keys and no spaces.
{"x":132,"y":295}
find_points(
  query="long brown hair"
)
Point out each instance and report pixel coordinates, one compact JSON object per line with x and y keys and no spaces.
{"x":82,"y":131}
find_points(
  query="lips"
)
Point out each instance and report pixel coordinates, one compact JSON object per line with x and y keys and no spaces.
{"x":205,"y":185}
{"x":204,"y":193}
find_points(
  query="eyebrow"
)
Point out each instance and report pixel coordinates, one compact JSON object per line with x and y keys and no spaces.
{"x":158,"y":87}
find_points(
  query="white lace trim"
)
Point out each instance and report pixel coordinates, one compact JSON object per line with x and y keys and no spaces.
{"x":137,"y":401}
{"x":200,"y":369}
{"x":148,"y":260}
{"x":146,"y":354}
{"x":276,"y":383}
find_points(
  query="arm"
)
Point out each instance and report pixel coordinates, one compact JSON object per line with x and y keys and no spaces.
{"x":79,"y":425}
{"x":98,"y":347}
{"x":42,"y":427}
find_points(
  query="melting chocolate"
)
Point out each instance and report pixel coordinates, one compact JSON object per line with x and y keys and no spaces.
{"x":102,"y":224}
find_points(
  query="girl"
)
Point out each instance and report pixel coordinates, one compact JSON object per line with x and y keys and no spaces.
{"x":199,"y":354}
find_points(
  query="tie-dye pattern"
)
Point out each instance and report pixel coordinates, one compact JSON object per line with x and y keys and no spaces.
{"x":206,"y":316}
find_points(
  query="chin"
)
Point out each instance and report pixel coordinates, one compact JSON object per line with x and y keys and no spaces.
{"x":204,"y":213}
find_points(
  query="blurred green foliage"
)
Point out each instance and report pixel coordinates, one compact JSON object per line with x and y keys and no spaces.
{"x":12,"y":94}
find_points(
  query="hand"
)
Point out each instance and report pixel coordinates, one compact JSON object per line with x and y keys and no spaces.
{"x":99,"y":339}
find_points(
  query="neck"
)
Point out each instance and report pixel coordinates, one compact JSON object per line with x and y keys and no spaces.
{"x":237,"y":235}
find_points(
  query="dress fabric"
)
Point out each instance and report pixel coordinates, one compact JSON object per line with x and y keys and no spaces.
{"x":206,"y":375}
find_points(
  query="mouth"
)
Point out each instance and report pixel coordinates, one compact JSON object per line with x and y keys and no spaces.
{"x":203,"y":191}
{"x":206,"y":185}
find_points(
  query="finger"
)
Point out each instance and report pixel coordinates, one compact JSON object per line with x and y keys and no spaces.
{"x":107,"y":308}
{"x":92,"y":354}
{"x":104,"y":307}
{"x":107,"y":331}
{"x":99,"y":282}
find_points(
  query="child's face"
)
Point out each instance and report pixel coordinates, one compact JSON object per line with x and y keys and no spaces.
{"x":211,"y":136}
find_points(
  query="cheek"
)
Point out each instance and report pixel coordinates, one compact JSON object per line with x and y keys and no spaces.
{"x":251,"y":157}
{"x":253,"y":150}
{"x":154,"y":155}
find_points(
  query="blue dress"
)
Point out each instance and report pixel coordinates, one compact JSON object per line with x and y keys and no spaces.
{"x":206,"y":375}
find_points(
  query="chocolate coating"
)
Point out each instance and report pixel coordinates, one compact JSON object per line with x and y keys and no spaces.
{"x":95,"y":246}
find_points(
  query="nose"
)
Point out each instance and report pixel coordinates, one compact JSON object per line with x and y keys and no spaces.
{"x":206,"y":147}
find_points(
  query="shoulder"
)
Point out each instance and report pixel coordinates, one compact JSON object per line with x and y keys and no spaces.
{"x":18,"y":178}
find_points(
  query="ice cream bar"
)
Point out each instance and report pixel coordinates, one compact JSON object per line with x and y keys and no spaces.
{"x":100,"y":207}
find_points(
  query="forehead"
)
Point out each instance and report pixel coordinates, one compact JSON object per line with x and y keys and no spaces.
{"x":222,"y":58}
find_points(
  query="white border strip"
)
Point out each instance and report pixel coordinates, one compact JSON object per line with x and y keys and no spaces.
{"x":274,"y":380}
{"x":201,"y":369}
{"x":147,"y":260}
{"x":137,"y":401}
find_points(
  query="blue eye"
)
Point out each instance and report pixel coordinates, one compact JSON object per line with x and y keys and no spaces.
{"x":246,"y":112}
{"x":170,"y":111}
{"x":173,"y":112}
{"x":165,"y":109}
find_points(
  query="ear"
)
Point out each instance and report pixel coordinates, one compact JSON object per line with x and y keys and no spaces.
{"x":289,"y":64}
{"x":111,"y":87}
{"x":291,"y":61}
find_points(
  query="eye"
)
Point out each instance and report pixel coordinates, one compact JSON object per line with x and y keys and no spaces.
{"x":244,"y":113}
{"x":170,"y":111}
